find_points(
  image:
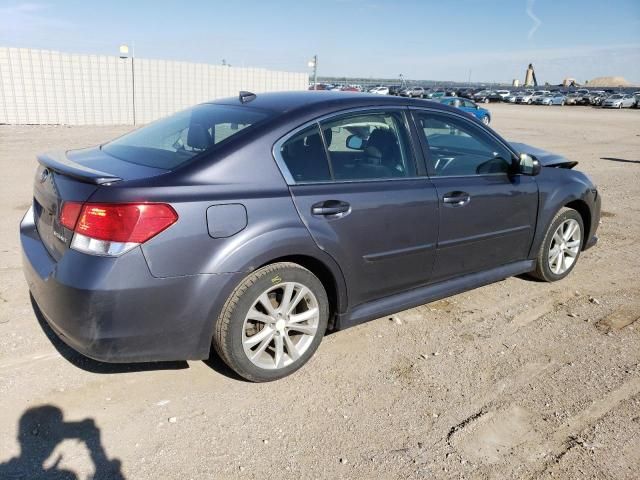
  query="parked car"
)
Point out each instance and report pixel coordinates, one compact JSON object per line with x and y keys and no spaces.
{"x":537,"y":95}
{"x":525,"y":97}
{"x":637,"y":97}
{"x":380,"y":90}
{"x":395,"y":89}
{"x":437,"y":93}
{"x":466,"y":92}
{"x":572,"y":98}
{"x":512,"y":97}
{"x":482,"y":96}
{"x":260,"y":222}
{"x":412,"y":92}
{"x":503,"y":94}
{"x":619,"y":100}
{"x":594,"y":97}
{"x":551,"y":98}
{"x":468,"y":106}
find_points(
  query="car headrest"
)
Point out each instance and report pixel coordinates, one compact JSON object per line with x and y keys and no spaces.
{"x":198,"y":137}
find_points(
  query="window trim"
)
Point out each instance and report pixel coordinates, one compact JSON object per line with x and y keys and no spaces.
{"x":407,"y":124}
{"x":427,"y":153}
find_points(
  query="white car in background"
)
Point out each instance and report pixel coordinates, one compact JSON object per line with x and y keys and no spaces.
{"x":525,"y":97}
{"x":538,"y":95}
{"x":619,"y":100}
{"x":380,"y":90}
{"x":503,"y":94}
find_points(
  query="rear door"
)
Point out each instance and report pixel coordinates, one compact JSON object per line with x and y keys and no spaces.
{"x":356,"y":185}
{"x":487,"y":215}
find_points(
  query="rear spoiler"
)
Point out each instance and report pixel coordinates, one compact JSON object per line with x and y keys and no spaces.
{"x":60,"y":163}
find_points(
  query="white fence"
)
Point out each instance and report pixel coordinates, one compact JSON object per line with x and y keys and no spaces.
{"x":49,"y":87}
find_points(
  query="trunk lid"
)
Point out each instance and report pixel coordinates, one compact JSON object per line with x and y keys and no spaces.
{"x":73,"y":177}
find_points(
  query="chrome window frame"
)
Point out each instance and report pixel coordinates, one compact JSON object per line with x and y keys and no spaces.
{"x":411,"y":147}
{"x":427,"y":154}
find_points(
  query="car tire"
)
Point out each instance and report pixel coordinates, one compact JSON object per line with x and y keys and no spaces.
{"x":486,"y":120}
{"x":529,"y":102}
{"x":561,"y":246}
{"x":486,"y":100}
{"x":283,"y":348}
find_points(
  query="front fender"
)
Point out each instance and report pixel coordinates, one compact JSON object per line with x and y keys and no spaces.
{"x":559,"y":187}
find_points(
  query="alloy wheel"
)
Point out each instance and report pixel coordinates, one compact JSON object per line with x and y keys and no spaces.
{"x":280,"y":325}
{"x":565,"y":246}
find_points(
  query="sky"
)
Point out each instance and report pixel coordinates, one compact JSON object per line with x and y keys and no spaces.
{"x":486,"y":41}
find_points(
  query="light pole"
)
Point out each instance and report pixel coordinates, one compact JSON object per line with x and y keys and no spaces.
{"x":313,"y":63}
{"x":124,"y":53}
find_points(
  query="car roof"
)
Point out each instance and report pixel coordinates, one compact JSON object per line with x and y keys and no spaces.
{"x":284,"y":102}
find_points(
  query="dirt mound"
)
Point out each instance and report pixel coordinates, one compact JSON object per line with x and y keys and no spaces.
{"x":609,"y":82}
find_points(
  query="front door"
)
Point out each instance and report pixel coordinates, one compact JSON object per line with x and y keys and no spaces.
{"x":363,"y":200}
{"x":487,"y":214}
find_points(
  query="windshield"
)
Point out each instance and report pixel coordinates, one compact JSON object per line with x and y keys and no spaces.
{"x":616,"y":96}
{"x":173,"y":140}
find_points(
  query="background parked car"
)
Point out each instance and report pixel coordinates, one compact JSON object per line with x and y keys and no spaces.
{"x":380,"y":90}
{"x":551,"y":98}
{"x":503,"y":94}
{"x":537,"y":95}
{"x":413,"y":92}
{"x":572,"y":98}
{"x":395,"y":89}
{"x":525,"y":97}
{"x":595,"y":97}
{"x":438,"y":93}
{"x":482,"y":96}
{"x":511,"y":98}
{"x":469,"y":107}
{"x":619,"y":100}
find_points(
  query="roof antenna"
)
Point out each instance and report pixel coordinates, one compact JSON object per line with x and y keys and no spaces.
{"x":246,"y":97}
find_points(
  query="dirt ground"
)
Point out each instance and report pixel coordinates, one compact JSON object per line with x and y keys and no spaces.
{"x":518,"y":379}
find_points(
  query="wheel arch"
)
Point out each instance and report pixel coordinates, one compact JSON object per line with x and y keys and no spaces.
{"x":585,"y":213}
{"x":333,"y":286}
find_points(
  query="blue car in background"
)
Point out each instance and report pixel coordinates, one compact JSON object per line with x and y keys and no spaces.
{"x":468,"y":106}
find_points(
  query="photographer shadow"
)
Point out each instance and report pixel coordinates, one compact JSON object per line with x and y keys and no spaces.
{"x":41,"y":429}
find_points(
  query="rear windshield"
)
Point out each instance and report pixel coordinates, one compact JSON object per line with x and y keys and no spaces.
{"x":172,"y":141}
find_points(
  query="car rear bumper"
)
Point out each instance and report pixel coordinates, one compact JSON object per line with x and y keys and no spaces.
{"x":113,"y":310}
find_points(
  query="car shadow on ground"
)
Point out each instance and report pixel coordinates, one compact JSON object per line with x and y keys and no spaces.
{"x":94,"y":366}
{"x":40,"y":430}
{"x":611,"y":159}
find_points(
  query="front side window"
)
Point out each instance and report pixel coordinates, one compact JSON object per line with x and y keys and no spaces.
{"x":457,"y":147}
{"x":172,"y":141}
{"x":368,"y":146}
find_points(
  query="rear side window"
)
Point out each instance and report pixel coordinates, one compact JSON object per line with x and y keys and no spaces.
{"x":170,"y":142}
{"x":457,"y":147}
{"x":368,"y":146}
{"x":306,"y":157}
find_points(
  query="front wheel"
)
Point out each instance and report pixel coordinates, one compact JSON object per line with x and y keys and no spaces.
{"x":486,"y":100}
{"x":273,"y":322}
{"x":561,"y":246}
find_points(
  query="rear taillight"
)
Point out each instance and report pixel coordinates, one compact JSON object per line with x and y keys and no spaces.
{"x":114,"y":228}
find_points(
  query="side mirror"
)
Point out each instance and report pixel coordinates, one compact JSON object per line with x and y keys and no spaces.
{"x":354,"y":142}
{"x":528,"y":165}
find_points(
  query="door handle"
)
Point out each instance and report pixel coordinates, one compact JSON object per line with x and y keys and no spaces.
{"x":330,"y":207}
{"x":456,"y":199}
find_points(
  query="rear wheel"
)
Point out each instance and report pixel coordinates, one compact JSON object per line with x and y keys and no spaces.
{"x":486,"y":119}
{"x":273,"y":322}
{"x":561,"y":246}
